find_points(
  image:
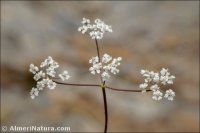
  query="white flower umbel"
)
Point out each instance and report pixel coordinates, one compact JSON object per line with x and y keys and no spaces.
{"x":107,"y":65}
{"x":155,"y":80}
{"x":43,"y":77}
{"x":96,"y":30}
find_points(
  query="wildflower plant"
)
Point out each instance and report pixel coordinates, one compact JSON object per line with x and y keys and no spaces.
{"x":46,"y":74}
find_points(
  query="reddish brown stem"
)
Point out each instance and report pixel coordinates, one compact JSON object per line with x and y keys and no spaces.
{"x":96,"y":85}
{"x":98,"y":52}
{"x":115,"y":89}
{"x":73,"y":84}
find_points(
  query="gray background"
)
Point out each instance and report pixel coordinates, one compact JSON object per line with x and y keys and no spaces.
{"x":148,"y":35}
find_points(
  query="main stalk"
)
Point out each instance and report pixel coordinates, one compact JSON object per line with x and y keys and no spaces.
{"x":103,"y":91}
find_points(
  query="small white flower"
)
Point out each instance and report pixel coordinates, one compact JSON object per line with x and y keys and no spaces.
{"x":146,"y":80}
{"x":170,"y":79}
{"x":164,"y":72}
{"x":97,"y":21}
{"x":105,"y":76}
{"x":154,"y":87}
{"x":96,"y":68}
{"x":170,"y":94}
{"x":50,"y":72}
{"x":91,"y":69}
{"x":157,"y":95}
{"x":33,"y":68}
{"x":40,"y":85}
{"x":83,"y":29}
{"x":85,"y":21}
{"x":147,"y":75}
{"x":165,"y":77}
{"x":94,"y":60}
{"x":54,"y":65}
{"x":34,"y":92}
{"x":156,"y":77}
{"x":143,"y":86}
{"x":43,"y":64}
{"x":39,"y":75}
{"x":50,"y":84}
{"x":142,"y":71}
{"x":49,"y":60}
{"x":64,"y":75}
{"x":114,"y":70}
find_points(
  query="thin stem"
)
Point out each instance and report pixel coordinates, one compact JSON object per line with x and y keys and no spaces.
{"x":115,"y":89}
{"x":73,"y":84}
{"x":96,"y":85}
{"x":98,"y":52}
{"x":105,"y":108}
{"x":103,"y":90}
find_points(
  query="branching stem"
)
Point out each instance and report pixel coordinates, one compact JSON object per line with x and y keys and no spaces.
{"x":115,"y":89}
{"x":102,"y":86}
{"x":73,"y":84}
{"x":97,"y":85}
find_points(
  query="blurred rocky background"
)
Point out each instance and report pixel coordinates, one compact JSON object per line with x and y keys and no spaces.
{"x":148,"y":35}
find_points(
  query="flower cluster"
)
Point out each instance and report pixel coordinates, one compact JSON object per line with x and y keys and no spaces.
{"x":64,"y":76}
{"x":96,"y":30}
{"x":106,"y":65}
{"x":155,"y":81}
{"x":44,"y":78}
